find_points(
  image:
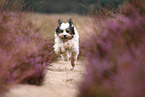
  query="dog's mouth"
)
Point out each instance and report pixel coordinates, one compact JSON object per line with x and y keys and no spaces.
{"x":66,"y":38}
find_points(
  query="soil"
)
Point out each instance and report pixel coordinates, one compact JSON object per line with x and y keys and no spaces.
{"x":60,"y":81}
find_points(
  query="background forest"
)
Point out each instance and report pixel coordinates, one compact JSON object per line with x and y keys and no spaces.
{"x":65,"y":6}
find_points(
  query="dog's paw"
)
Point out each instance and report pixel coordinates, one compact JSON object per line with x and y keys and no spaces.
{"x":72,"y":69}
{"x":61,"y":50}
{"x":72,"y":64}
{"x":67,"y":47}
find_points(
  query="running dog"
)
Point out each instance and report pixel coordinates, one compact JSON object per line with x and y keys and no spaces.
{"x":67,"y":41}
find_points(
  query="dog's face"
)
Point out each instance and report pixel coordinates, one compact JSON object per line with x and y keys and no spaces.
{"x":65,"y":30}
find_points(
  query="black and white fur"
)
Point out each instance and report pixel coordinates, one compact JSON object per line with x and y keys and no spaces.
{"x":67,"y":41}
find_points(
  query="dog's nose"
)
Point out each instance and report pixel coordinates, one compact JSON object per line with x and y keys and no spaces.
{"x":64,"y":35}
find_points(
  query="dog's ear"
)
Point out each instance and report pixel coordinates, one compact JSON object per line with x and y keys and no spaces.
{"x":59,"y":22}
{"x":57,"y":30}
{"x":72,"y":30}
{"x":70,"y":22}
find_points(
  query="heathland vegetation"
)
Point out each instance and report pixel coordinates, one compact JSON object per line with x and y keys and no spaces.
{"x":111,"y":41}
{"x":115,"y":54}
{"x":24,"y":53}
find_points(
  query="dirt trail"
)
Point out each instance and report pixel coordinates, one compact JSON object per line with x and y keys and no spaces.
{"x":60,"y":82}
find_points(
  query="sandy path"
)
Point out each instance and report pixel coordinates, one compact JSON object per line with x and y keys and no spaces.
{"x":60,"y":82}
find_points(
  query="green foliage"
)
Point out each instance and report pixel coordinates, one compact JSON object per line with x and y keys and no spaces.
{"x":67,"y":6}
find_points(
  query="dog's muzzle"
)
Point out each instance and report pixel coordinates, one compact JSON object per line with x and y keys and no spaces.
{"x":66,"y":38}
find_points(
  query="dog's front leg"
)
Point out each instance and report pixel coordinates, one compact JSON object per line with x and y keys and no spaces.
{"x":67,"y":46}
{"x":59,"y":49}
{"x":65,"y":56}
{"x":73,"y":58}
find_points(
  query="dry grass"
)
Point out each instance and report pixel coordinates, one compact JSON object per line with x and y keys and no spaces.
{"x":48,"y":22}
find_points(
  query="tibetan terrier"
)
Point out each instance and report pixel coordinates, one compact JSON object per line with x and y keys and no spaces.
{"x":67,"y":41}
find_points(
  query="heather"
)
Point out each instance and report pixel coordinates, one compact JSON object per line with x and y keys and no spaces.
{"x":115,"y":56}
{"x":24,"y":53}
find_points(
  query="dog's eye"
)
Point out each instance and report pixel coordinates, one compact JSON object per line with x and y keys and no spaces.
{"x":67,"y":31}
{"x":61,"y":31}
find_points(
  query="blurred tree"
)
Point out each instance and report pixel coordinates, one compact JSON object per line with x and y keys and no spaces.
{"x":66,"y":6}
